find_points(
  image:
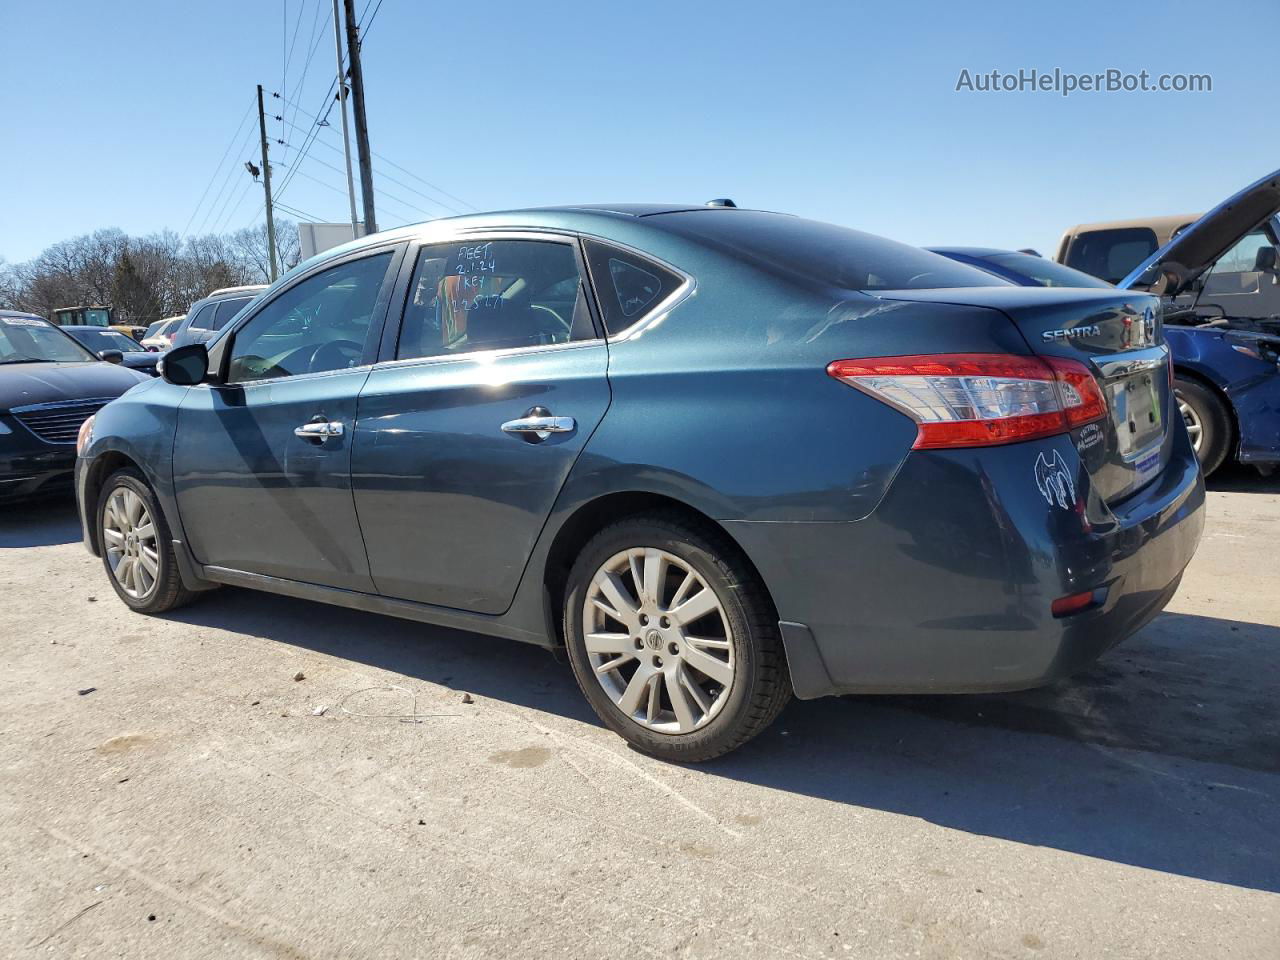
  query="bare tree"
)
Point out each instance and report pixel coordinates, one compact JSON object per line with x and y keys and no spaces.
{"x":144,"y":278}
{"x":251,"y":247}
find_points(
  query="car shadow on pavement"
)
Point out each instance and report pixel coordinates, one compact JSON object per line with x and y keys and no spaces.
{"x":1164,"y":755}
{"x":1240,"y":478}
{"x":39,"y":523}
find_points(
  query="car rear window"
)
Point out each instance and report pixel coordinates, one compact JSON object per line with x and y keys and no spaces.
{"x":823,"y":252}
{"x":1111,"y":254}
{"x":1047,"y":272}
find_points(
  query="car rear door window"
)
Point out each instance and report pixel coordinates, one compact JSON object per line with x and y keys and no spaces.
{"x":226,"y":310}
{"x":321,"y":323}
{"x":628,"y":286}
{"x":494,"y":295}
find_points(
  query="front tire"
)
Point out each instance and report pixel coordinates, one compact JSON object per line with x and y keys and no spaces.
{"x":137,"y":549}
{"x":1207,"y":421}
{"x":673,"y":639}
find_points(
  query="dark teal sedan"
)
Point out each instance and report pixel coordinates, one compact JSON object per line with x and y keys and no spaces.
{"x":720,"y":455}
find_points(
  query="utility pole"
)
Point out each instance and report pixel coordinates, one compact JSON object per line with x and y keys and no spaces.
{"x":342,"y":104}
{"x":266,"y":186}
{"x":362,"y":127}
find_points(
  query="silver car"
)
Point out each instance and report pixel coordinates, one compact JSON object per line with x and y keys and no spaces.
{"x":206,"y":317}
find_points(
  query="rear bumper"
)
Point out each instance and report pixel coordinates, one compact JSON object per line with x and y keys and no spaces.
{"x":946,"y":586}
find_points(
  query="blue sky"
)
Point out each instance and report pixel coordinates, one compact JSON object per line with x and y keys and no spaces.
{"x":117,"y":114}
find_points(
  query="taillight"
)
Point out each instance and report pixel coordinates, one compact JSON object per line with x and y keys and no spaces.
{"x":979,"y":399}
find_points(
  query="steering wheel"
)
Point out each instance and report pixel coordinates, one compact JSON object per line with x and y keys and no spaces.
{"x":334,"y":355}
{"x":559,"y":319}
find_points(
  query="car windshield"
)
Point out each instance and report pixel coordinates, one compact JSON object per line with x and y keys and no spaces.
{"x":823,"y":252}
{"x":104,"y":340}
{"x":32,"y":340}
{"x":1047,"y":273}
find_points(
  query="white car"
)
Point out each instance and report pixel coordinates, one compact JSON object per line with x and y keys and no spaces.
{"x":159,"y":336}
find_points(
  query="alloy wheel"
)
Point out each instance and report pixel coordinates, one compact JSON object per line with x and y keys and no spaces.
{"x":658,"y":640}
{"x":1195,"y":429}
{"x":129,"y":536}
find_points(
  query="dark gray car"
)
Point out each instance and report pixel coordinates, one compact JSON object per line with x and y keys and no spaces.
{"x":721,"y":455}
{"x":114,"y":346}
{"x":206,"y":317}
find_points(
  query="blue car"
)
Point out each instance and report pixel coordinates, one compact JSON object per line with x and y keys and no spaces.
{"x":719,"y":455}
{"x":1226,"y":366}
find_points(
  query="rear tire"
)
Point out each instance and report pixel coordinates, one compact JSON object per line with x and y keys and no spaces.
{"x":137,"y":548}
{"x":677,"y":686}
{"x":1208,"y":423}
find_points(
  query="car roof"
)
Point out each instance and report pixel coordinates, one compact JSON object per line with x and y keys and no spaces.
{"x":974,"y":251}
{"x":228,"y":293}
{"x":1157,"y":224}
{"x":20,"y":313}
{"x":231,"y":291}
{"x":571,"y":217}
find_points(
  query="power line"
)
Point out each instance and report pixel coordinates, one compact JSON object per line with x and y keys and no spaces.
{"x":382,"y":193}
{"x":217,"y":169}
{"x":226,"y":182}
{"x":221,"y":223}
{"x":363,"y":26}
{"x":317,"y":37}
{"x":313,"y":44}
{"x":299,"y":213}
{"x":317,"y":122}
{"x":327,"y":106}
{"x":385,"y":176}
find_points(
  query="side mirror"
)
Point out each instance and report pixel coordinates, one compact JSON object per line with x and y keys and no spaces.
{"x":185,"y":366}
{"x":1264,"y":261}
{"x":111,"y":356}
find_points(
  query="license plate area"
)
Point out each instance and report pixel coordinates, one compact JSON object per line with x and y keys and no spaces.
{"x":1137,"y":411}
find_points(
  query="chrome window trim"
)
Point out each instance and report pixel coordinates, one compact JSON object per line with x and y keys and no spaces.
{"x":290,"y":378}
{"x":486,"y":356}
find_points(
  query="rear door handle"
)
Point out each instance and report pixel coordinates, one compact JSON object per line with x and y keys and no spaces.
{"x":538,"y":424}
{"x":319,"y":430}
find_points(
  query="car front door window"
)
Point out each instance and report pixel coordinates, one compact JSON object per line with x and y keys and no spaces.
{"x":319,"y":324}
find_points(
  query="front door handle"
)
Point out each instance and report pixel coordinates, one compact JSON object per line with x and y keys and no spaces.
{"x":320,"y":430}
{"x":538,"y":424}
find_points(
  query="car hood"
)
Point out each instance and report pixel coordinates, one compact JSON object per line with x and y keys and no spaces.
{"x":26,"y":383}
{"x":1174,"y":267}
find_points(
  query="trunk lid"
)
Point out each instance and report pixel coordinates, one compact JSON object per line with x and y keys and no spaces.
{"x":1119,"y":336}
{"x":1173,"y":268}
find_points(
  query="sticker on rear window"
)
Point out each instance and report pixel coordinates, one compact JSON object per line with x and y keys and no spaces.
{"x":1054,"y":482}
